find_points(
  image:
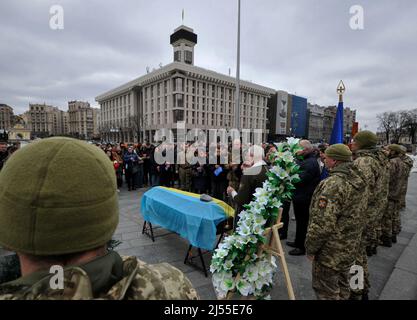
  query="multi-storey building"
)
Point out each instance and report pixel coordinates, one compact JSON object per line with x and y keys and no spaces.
{"x":44,"y":120}
{"x":81,"y":119}
{"x":180,"y":93}
{"x":315,"y":116}
{"x":6,"y":117}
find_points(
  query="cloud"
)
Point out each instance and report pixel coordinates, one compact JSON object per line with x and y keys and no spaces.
{"x":303,"y":46}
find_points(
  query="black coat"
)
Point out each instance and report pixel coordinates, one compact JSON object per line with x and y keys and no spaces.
{"x":310,"y":178}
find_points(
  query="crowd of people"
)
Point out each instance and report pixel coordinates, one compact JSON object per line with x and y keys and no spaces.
{"x":346,"y":204}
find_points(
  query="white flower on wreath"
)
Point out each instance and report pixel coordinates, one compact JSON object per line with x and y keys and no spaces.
{"x":292,"y":141}
{"x":279,"y":172}
{"x":276,"y":203}
{"x":287,"y":157}
{"x":260,"y":192}
{"x":244,"y":287}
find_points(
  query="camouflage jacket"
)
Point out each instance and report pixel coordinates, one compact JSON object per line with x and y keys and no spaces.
{"x":384,"y":174}
{"x":336,"y":217}
{"x":408,"y":162}
{"x":109,"y":277}
{"x":398,"y":174}
{"x":369,"y":163}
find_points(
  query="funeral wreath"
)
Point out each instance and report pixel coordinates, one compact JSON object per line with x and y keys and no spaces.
{"x":237,"y":254}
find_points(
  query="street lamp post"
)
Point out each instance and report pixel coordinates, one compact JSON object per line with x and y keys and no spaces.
{"x":237,"y":102}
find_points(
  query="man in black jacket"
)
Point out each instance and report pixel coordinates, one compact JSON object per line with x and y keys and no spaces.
{"x":310,"y":178}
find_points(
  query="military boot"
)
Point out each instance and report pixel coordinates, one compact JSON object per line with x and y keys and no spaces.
{"x":394,"y":239}
{"x":369,"y":251}
{"x":386,"y":241}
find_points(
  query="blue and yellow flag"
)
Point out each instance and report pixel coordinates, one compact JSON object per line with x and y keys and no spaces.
{"x":184,"y":213}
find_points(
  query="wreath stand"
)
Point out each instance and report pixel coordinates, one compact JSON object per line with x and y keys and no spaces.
{"x":273,"y":248}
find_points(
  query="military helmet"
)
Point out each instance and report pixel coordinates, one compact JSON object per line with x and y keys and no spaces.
{"x":57,"y":196}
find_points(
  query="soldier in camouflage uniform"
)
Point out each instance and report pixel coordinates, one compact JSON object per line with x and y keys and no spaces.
{"x":391,"y":221}
{"x":59,"y":207}
{"x":368,"y":161}
{"x":185,"y":171}
{"x":409,"y":164}
{"x":336,"y":224}
{"x":385,"y":177}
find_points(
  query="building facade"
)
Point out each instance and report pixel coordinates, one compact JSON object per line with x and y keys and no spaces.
{"x":81,"y":119}
{"x":349,"y":117}
{"x":45,"y":120}
{"x":315,"y":118}
{"x":180,"y":93}
{"x":6,"y":117}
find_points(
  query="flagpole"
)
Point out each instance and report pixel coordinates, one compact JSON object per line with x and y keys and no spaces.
{"x":237,"y":103}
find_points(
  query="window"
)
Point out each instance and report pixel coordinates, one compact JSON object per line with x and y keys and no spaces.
{"x":188,"y":57}
{"x":177,"y":56}
{"x":178,"y":115}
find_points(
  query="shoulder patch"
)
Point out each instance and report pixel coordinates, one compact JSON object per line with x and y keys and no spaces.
{"x":322,"y":202}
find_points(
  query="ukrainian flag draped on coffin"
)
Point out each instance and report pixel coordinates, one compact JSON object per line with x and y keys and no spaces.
{"x":184,"y":213}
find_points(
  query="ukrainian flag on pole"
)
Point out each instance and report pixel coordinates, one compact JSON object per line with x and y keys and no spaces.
{"x":337,"y":133}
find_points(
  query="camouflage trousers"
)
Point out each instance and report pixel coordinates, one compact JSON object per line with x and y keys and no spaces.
{"x":362,"y":260}
{"x":376,"y":236}
{"x":404,"y":188}
{"x":396,"y":220}
{"x":329,"y":284}
{"x":390,"y":220}
{"x":184,"y":179}
{"x":374,"y":217}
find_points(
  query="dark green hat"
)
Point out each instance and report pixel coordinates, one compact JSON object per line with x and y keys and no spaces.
{"x":396,"y":148}
{"x":339,"y":152}
{"x":366,"y":139}
{"x":57,"y":196}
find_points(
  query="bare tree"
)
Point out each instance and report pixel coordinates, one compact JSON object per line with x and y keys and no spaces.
{"x":411,"y":124}
{"x":135,"y":123}
{"x":399,"y":125}
{"x":386,"y":122}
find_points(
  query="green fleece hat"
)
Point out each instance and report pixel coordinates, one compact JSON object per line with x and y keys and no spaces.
{"x":57,"y":196}
{"x":366,"y":139}
{"x":396,"y":148}
{"x":339,"y":152}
